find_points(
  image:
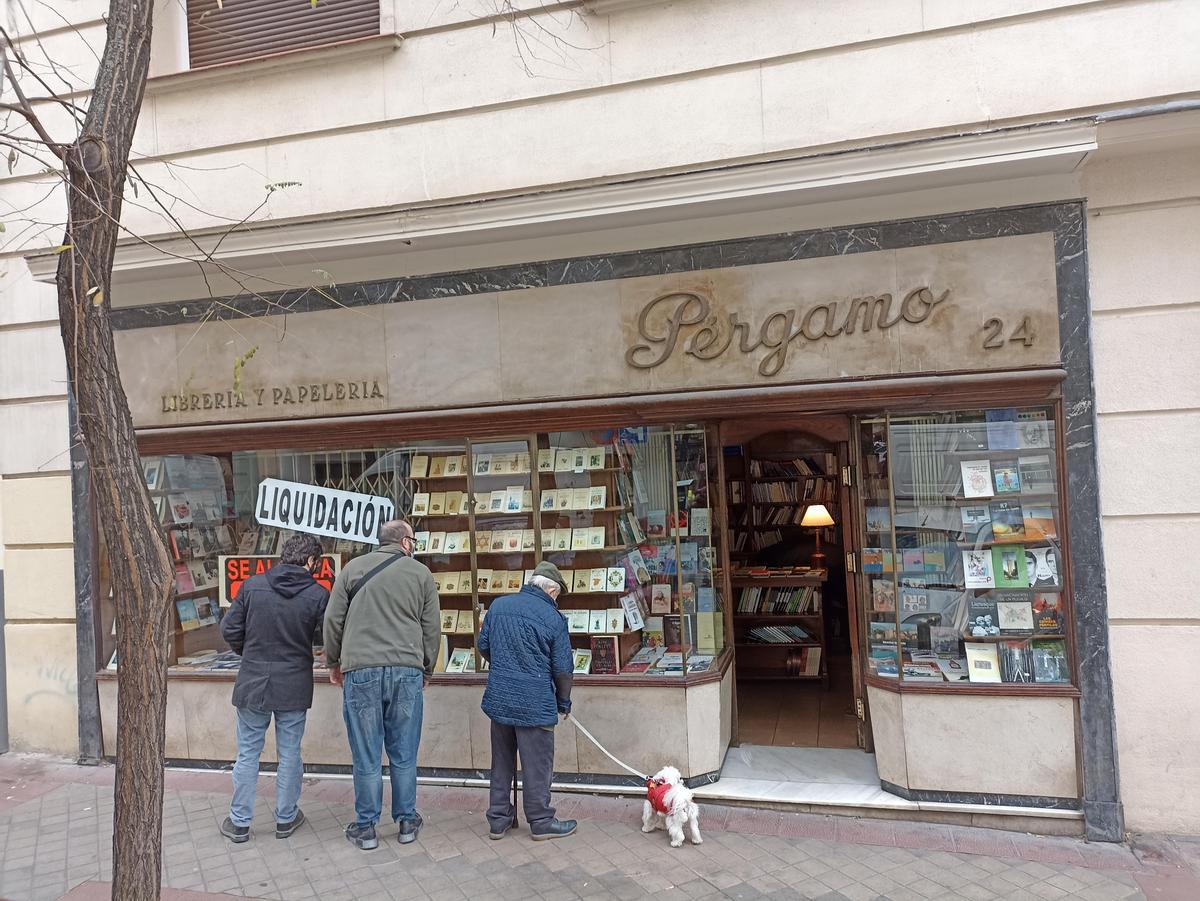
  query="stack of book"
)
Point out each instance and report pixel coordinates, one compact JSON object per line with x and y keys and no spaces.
{"x":789,"y":600}
{"x":777,"y":635}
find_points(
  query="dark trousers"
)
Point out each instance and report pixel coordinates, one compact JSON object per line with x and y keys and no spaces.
{"x":536,"y":746}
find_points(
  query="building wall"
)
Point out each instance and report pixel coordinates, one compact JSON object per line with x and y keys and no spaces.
{"x":1143,"y":228}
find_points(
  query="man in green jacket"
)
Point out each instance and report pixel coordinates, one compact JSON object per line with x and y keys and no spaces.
{"x":382,"y":630}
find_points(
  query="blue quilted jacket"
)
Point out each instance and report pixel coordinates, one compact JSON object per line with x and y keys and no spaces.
{"x":525,"y":640}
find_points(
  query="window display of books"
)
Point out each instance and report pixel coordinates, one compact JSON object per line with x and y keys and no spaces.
{"x":971,"y":591}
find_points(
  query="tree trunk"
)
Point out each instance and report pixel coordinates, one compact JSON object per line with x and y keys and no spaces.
{"x":143,"y":572}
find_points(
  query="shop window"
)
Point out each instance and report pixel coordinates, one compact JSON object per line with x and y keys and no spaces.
{"x":624,"y":513}
{"x":962,"y":560}
{"x":235,"y":30}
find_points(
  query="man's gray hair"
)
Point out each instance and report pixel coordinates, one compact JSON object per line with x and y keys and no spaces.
{"x":394,"y":531}
{"x":549,"y":586}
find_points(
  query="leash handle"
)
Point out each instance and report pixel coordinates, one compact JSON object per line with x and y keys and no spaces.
{"x":603,"y":750}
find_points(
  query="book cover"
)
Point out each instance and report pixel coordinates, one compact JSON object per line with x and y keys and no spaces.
{"x":437,"y":467}
{"x":439,"y":581}
{"x":437,"y":503}
{"x":598,"y":581}
{"x":913,"y":600}
{"x":579,"y":539}
{"x":955,"y":670}
{"x":976,"y":478}
{"x":419,"y":468}
{"x":615,"y":578}
{"x":548,"y":539}
{"x":451,"y":582}
{"x":1014,"y":612}
{"x":563,"y":539}
{"x":879,"y":519}
{"x":597,"y":498}
{"x":500,"y":465}
{"x":579,"y":498}
{"x":452,"y":543}
{"x":1002,"y":432}
{"x":1050,"y":660}
{"x":1008,"y":522}
{"x":206,"y":611}
{"x":453,"y":467}
{"x":512,"y":580}
{"x":483,"y":579}
{"x":437,"y":542}
{"x":528,"y":537}
{"x":943,"y":641}
{"x":1033,"y":429}
{"x":881,"y":639}
{"x":527,"y":500}
{"x":581,"y":580}
{"x":701,"y":521}
{"x":653,"y":631}
{"x":1041,"y":564}
{"x":633,"y":612}
{"x":981,"y":616}
{"x":545,"y":459}
{"x":549,"y":499}
{"x":459,"y":658}
{"x":189,"y":618}
{"x":660,"y":598}
{"x":983,"y":661}
{"x":872,"y":560}
{"x":465,"y":623}
{"x":656,"y":523}
{"x":582,"y":662}
{"x":921,"y":671}
{"x":1016,"y":662}
{"x":153,"y":470}
{"x":1039,"y":522}
{"x":496,"y":501}
{"x":521,"y":464}
{"x":977,"y":569}
{"x":483,"y":500}
{"x":935,"y":561}
{"x":443,"y":655}
{"x":883,"y":595}
{"x":672,"y":631}
{"x":970,"y":432}
{"x":977,"y":522}
{"x":597,"y":621}
{"x":706,"y":632}
{"x":677,"y":523}
{"x":595,"y":458}
{"x":913,"y":560}
{"x":497,"y":581}
{"x":483,"y":541}
{"x":1009,"y":567}
{"x":1047,"y":613}
{"x":562,"y":498}
{"x":181,"y":509}
{"x":563,"y":459}
{"x":512,"y":498}
{"x":577,"y":621}
{"x":454,"y":503}
{"x":604,"y":655}
{"x":595,"y":537}
{"x":909,"y":637}
{"x":645,"y":657}
{"x":183,"y":579}
{"x":1037,"y":474}
{"x":498,"y":536}
{"x":197,"y":572}
{"x":512,"y":540}
{"x":616,"y":620}
{"x":449,"y":620}
{"x":1007,"y":478}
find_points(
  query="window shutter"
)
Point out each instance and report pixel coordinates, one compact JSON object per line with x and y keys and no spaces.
{"x":246,"y":29}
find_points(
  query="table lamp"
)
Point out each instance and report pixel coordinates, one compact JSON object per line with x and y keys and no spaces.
{"x":817,"y":517}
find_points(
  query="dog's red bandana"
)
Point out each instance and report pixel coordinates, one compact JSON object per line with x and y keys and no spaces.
{"x":656,"y":793}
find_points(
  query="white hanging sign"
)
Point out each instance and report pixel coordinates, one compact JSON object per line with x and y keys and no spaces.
{"x":322,"y":511}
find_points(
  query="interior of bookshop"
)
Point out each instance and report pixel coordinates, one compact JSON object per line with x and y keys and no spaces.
{"x":911,"y":551}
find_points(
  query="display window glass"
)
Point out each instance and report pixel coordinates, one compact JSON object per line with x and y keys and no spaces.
{"x":625,"y":513}
{"x":962,"y":562}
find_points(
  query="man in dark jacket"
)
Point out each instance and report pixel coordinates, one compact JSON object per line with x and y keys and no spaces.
{"x":524,"y":638}
{"x":272,"y":624}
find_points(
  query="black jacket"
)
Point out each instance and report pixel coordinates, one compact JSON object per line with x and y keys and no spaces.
{"x":271,"y":624}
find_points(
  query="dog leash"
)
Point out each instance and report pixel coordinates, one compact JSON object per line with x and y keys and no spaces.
{"x":588,"y":735}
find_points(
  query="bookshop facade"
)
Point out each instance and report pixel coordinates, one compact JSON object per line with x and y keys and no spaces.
{"x":609,"y":414}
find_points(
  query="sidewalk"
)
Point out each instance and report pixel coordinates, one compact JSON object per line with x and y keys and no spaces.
{"x":55,"y":835}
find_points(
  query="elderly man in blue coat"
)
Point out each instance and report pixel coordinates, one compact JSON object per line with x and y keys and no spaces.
{"x":524,"y":639}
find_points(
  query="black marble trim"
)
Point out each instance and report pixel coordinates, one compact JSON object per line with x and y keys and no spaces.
{"x":1042,"y":802}
{"x":1103,"y":815}
{"x":802,"y":245}
{"x":82,"y":536}
{"x":434,"y":772}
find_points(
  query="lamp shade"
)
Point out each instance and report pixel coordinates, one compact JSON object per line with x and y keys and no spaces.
{"x":816,"y":515}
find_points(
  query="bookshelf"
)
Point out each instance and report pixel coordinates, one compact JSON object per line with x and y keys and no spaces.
{"x":779,"y":626}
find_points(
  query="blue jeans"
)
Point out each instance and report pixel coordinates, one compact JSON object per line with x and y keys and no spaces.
{"x":382,"y":706}
{"x":251,"y":733}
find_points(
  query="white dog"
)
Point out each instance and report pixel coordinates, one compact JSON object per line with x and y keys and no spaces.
{"x":669,"y":804}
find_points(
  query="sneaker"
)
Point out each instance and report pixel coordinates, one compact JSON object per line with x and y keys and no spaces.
{"x":236,"y":834}
{"x":284,"y":830}
{"x":362,"y":837}
{"x":553,"y":829}
{"x":409,"y":827}
{"x":497,"y":834}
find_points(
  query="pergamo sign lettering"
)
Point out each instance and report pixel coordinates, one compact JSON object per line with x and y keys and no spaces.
{"x":688,"y":315}
{"x":322,"y":511}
